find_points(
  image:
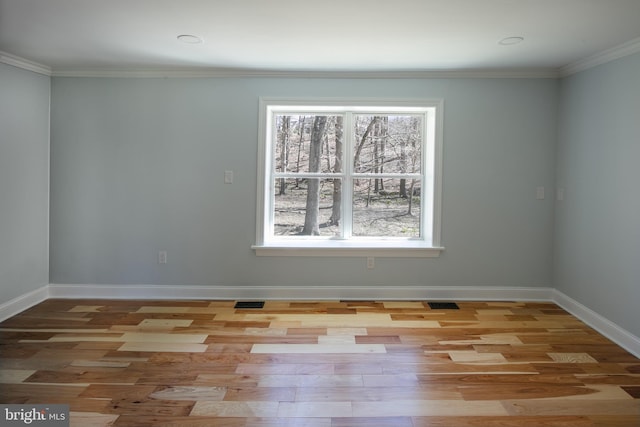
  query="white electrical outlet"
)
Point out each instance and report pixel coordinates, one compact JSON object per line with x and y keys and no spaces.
{"x":162,"y":257}
{"x":371,"y":262}
{"x":228,"y":177}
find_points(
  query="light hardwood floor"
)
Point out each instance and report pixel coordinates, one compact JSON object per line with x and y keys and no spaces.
{"x":317,"y":364}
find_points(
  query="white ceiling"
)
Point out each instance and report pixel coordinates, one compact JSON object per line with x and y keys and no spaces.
{"x":304,"y":35}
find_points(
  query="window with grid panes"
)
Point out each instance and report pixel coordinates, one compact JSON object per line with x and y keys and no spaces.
{"x":349,"y":178}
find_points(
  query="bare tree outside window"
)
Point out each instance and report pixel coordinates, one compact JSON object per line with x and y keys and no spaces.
{"x":336,"y":211}
{"x":308,"y":208}
{"x":312,"y":210}
{"x":348,"y":174}
{"x":388,"y":146}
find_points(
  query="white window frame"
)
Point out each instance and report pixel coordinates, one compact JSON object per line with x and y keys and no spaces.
{"x":427,"y":245}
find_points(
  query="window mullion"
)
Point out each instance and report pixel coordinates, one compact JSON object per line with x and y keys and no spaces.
{"x":272,"y":131}
{"x":426,"y":180}
{"x":347,"y":182}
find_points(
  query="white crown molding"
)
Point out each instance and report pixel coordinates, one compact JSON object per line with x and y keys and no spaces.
{"x":535,"y":73}
{"x":608,"y":55}
{"x":607,"y":328}
{"x":629,"y":48}
{"x":25,"y":64}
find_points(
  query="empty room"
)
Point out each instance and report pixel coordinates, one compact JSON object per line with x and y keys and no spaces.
{"x":323,"y":214}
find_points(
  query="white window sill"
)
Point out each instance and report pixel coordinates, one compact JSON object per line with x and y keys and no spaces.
{"x":333,"y":248}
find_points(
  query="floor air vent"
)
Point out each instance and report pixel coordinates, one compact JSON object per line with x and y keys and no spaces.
{"x":249,"y":304}
{"x":443,"y":306}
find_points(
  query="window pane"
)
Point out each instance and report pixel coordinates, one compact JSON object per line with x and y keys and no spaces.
{"x":386,"y":207}
{"x":305,"y":207}
{"x":307,"y":143}
{"x":387,"y":143}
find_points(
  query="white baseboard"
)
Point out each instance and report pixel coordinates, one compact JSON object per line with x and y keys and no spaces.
{"x":615,"y":333}
{"x":23,"y":302}
{"x":459,"y":293}
{"x":607,"y":328}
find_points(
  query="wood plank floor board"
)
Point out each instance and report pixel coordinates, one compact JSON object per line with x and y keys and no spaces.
{"x":511,"y":421}
{"x":633,"y":368}
{"x":287,"y":369}
{"x":497,"y":379}
{"x":280,"y":394}
{"x":149,"y":407}
{"x":205,"y":421}
{"x":317,"y":364}
{"x":91,"y":419}
{"x":528,"y":391}
{"x":97,"y":391}
{"x":621,"y":379}
{"x":20,"y":393}
{"x":633,"y":391}
{"x":574,"y":407}
{"x":373,"y":422}
{"x":359,"y":368}
{"x":376,"y":393}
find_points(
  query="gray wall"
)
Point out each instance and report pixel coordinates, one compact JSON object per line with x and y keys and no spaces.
{"x":138,"y":165}
{"x":597,"y":236}
{"x":24,"y":181}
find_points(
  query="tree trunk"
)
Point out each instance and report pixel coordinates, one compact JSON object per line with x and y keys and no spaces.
{"x":383,"y":146}
{"x":409,"y":211}
{"x":414,"y":159}
{"x":301,"y":121}
{"x":356,"y":156}
{"x":284,"y":153}
{"x":376,"y":159}
{"x":312,"y":211}
{"x":403,"y":167}
{"x":336,"y":210}
{"x":327,"y":150}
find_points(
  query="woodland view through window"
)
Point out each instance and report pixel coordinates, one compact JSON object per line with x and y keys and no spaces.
{"x":345,"y":174}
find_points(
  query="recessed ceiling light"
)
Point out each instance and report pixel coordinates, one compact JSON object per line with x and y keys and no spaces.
{"x":190,"y":39}
{"x":507,"y":41}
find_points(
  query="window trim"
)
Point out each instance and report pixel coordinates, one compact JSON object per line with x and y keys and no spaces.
{"x":381,"y":247}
